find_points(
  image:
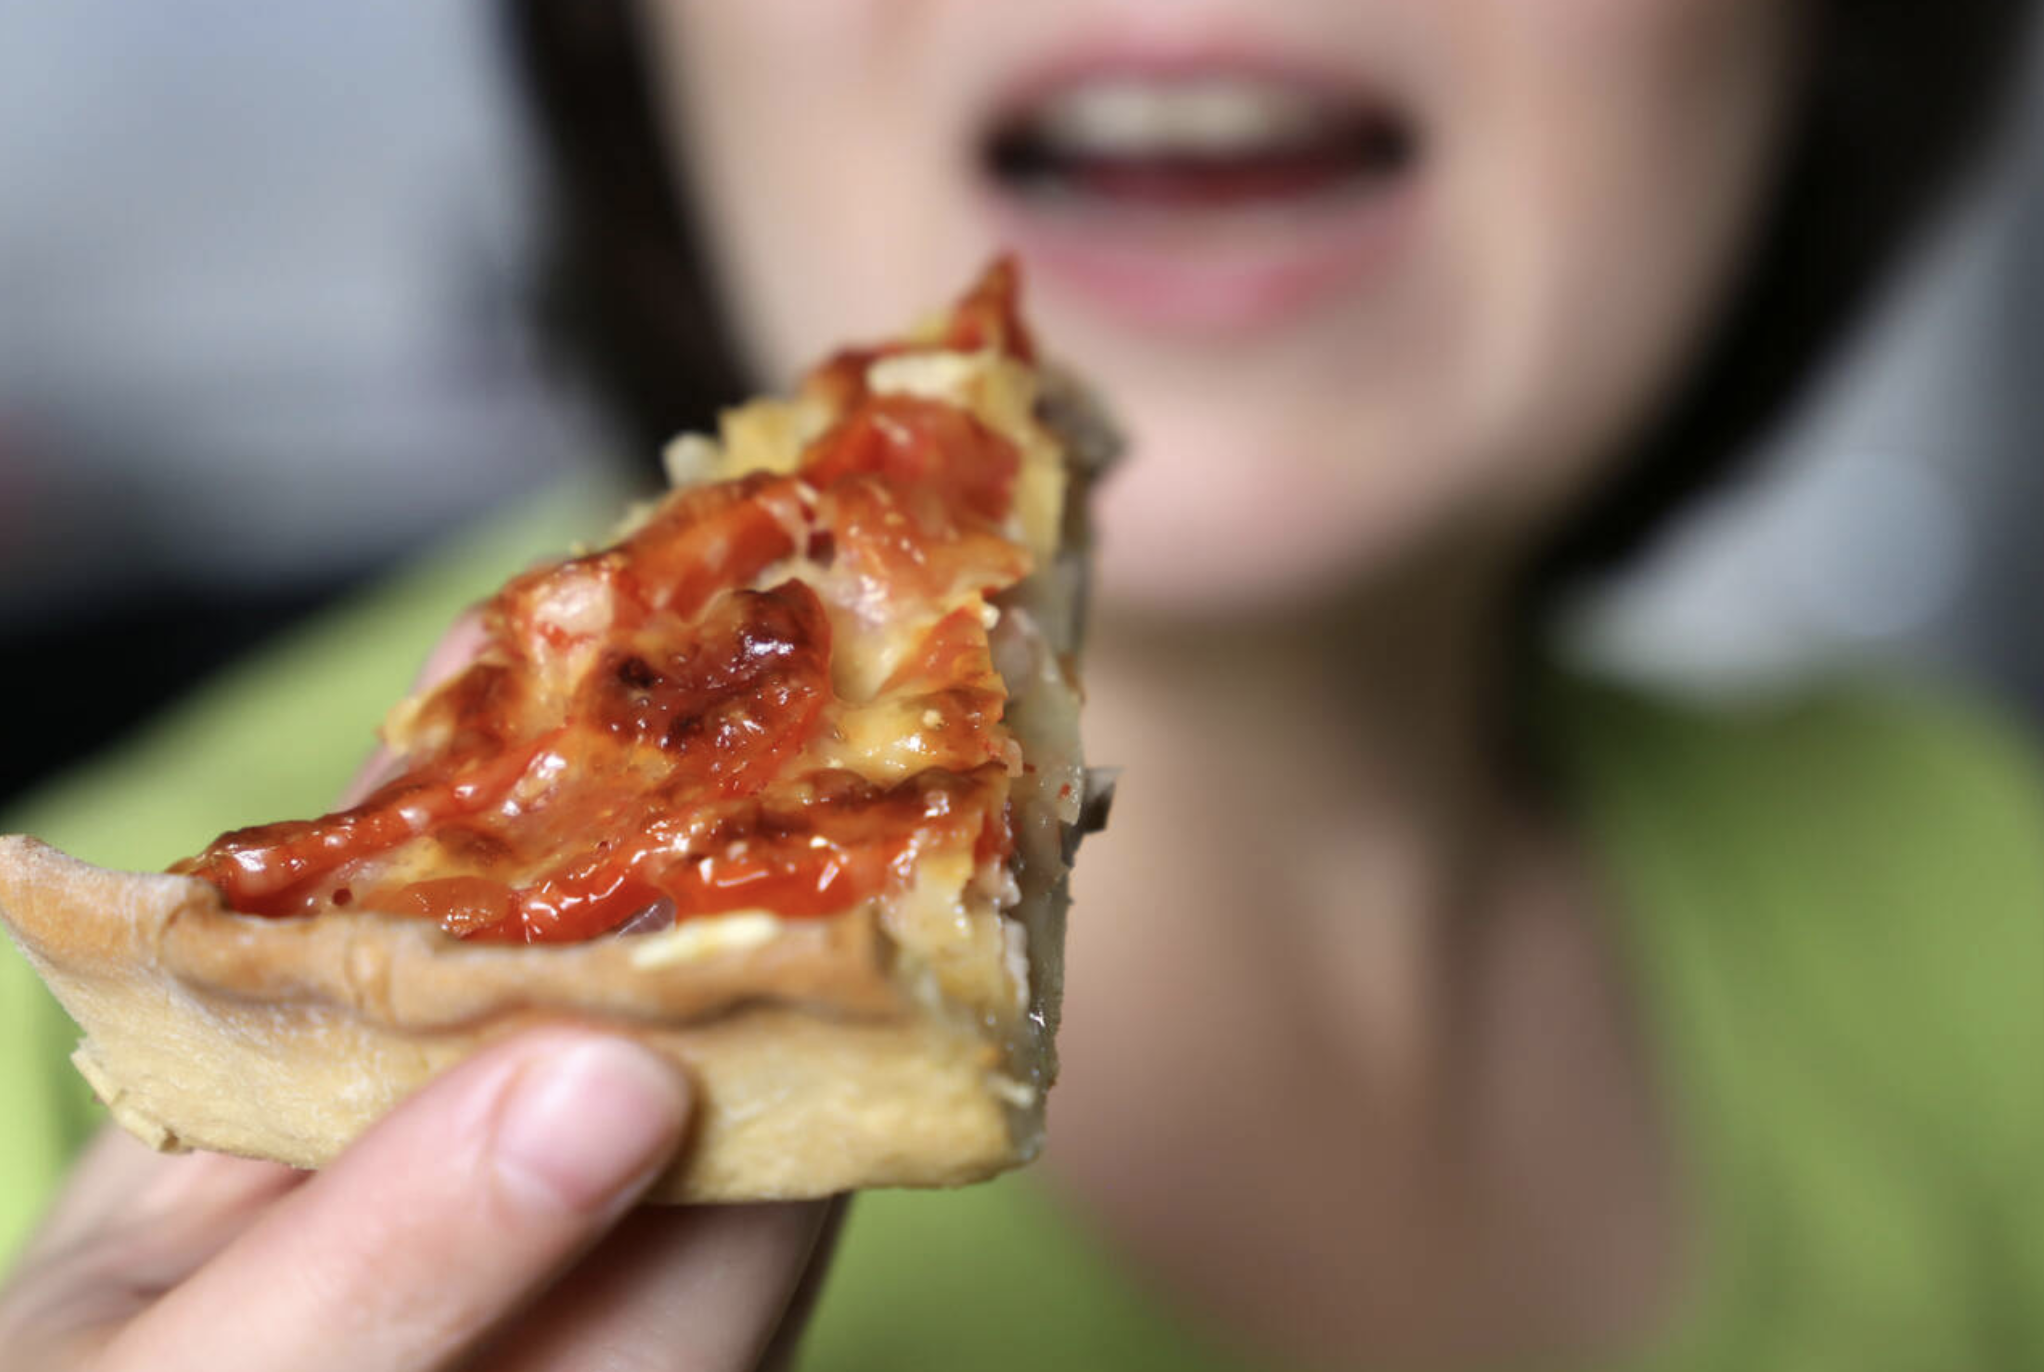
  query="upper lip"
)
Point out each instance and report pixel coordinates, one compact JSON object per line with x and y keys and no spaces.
{"x":1210,"y":115}
{"x":1189,"y":109}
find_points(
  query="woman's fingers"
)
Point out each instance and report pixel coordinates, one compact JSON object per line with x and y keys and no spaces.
{"x":781,"y":1349}
{"x":192,"y":1202}
{"x":701,"y":1289}
{"x":145,"y":1219}
{"x":464,"y":638}
{"x":438,"y":1224}
{"x":102,"y":1187}
{"x":129,"y":1225}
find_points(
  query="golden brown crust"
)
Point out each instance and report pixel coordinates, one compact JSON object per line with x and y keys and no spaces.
{"x":286,"y":1038}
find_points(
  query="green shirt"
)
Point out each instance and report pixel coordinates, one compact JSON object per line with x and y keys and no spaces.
{"x":1834,"y":908}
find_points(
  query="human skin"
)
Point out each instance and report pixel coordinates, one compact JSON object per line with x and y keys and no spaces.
{"x":487,"y":1223}
{"x":1585,"y":176}
{"x":1341,"y":969}
{"x":1337,"y":974}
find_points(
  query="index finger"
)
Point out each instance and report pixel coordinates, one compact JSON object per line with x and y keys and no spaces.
{"x":709,"y":1288}
{"x":120,"y":1182}
{"x":463,"y":639}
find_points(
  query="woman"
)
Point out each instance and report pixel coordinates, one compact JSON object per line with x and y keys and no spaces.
{"x":1426,"y":1008}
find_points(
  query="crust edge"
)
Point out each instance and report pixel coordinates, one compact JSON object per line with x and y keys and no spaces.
{"x":286,"y":1039}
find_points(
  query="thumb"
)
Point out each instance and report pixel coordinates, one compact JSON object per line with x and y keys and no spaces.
{"x":439,"y":1223}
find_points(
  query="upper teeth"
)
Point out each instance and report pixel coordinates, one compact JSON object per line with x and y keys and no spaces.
{"x":1201,"y":117}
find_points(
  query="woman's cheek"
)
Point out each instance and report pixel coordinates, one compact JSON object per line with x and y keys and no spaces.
{"x":1604,"y":166}
{"x":807,"y":162}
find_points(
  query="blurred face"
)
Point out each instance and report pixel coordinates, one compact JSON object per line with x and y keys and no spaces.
{"x":1366,"y":280}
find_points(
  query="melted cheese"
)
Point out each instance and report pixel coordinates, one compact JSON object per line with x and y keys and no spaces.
{"x":956,"y":936}
{"x":710,"y":936}
{"x":1001,"y":393}
{"x":781,"y":675}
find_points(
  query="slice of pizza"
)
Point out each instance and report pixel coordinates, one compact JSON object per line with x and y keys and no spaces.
{"x":782,"y":783}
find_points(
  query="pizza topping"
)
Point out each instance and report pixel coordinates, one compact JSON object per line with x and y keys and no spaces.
{"x":775,"y":693}
{"x":920,"y":445}
{"x":705,"y":937}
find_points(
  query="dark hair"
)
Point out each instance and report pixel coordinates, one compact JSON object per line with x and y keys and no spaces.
{"x":624,"y":282}
{"x":1898,"y":94}
{"x":1899,"y":98}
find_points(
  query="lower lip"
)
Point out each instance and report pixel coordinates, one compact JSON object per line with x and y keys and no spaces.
{"x":1199,"y":271}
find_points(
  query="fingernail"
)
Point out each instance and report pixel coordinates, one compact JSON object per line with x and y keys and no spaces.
{"x":586,"y":1122}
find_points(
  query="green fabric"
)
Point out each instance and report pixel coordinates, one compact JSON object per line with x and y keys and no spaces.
{"x":1834,"y":909}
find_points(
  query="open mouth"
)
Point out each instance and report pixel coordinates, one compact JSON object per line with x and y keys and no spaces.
{"x":1196,"y":198}
{"x":1196,"y":140}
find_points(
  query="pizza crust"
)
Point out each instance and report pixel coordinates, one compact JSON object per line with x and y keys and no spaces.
{"x":851,"y":1051}
{"x":285,"y":1039}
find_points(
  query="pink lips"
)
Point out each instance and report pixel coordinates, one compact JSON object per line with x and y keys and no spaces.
{"x":1200,"y":190}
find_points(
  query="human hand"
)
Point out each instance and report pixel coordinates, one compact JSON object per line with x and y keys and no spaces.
{"x":487,"y":1223}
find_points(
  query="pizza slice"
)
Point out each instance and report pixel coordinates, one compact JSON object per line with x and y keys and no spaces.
{"x":783,"y":783}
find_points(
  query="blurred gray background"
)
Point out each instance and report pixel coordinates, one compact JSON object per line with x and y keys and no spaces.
{"x":261,"y":333}
{"x":261,"y":329}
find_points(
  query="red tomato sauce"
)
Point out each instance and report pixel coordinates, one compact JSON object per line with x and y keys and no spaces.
{"x":683,"y":764}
